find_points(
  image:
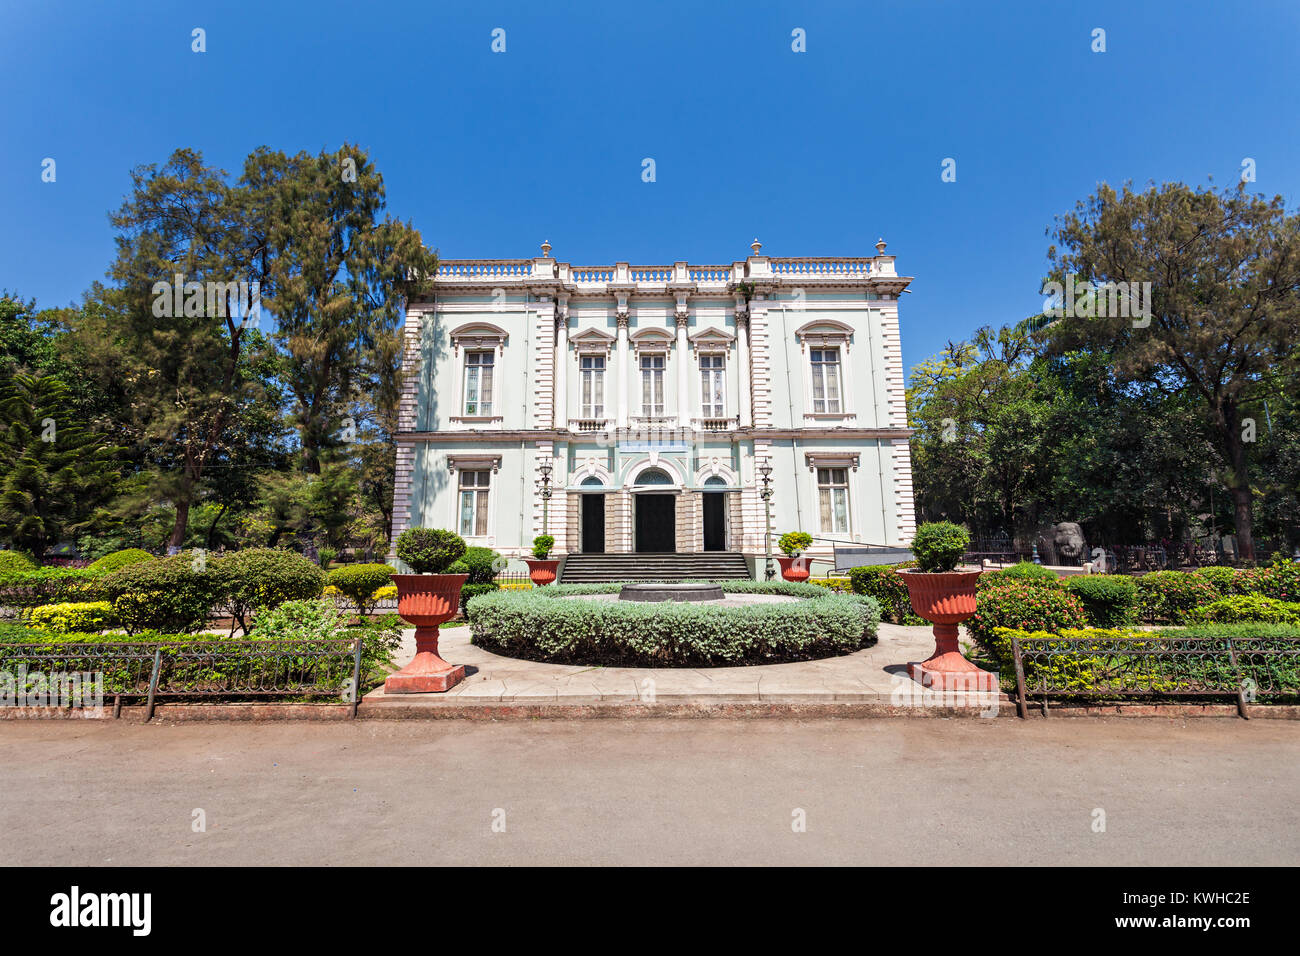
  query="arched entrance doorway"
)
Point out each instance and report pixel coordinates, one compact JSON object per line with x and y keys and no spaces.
{"x":656,"y":514}
{"x":715,"y":514}
{"x":593,"y":517}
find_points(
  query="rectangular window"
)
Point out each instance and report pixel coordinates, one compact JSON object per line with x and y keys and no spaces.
{"x":713,"y":386}
{"x":592,"y":372}
{"x":652,"y":385}
{"x":474,"y":503}
{"x":833,"y":499}
{"x":826,"y":382}
{"x":478,"y":383}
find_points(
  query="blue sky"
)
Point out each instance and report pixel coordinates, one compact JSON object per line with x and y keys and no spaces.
{"x":814,"y":153}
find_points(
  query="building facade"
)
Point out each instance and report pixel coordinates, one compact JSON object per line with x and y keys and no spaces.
{"x":632,"y":408}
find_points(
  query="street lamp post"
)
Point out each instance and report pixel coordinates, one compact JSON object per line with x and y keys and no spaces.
{"x":545,"y":469}
{"x":765,"y":471}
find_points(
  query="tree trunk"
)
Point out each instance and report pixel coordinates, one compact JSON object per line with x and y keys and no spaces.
{"x":1239,"y":485}
{"x":177,"y":540}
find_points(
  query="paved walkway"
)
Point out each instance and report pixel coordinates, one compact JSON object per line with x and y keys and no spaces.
{"x":874,"y":675}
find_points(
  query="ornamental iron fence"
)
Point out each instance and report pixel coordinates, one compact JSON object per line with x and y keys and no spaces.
{"x":232,"y":669}
{"x":1248,"y":669}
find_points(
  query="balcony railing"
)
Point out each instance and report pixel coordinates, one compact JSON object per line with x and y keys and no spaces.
{"x":715,"y":424}
{"x":588,"y":424}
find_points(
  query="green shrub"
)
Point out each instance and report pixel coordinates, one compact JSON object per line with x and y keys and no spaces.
{"x":542,"y":545}
{"x":474,"y":590}
{"x":480,"y":564}
{"x":939,"y":546}
{"x":15,"y":562}
{"x":1026,"y":572}
{"x":360,"y":583}
{"x":120,"y":559}
{"x":1167,"y":597}
{"x":538,"y":625}
{"x":24,"y":589}
{"x":795,"y":543}
{"x":1279,"y":581}
{"x":841,"y":585}
{"x":1227,"y":581}
{"x":1241,"y":608}
{"x":169,"y":594}
{"x":886,"y":586}
{"x":1026,"y":607}
{"x":321,"y":620}
{"x":325,"y":556}
{"x":429,"y":550}
{"x":1109,"y":600}
{"x":88,"y":618}
{"x":259,"y":578}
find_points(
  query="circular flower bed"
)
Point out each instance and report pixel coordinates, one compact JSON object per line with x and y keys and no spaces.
{"x":541,"y":625}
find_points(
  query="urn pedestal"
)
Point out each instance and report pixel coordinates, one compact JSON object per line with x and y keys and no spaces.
{"x":541,"y":571}
{"x":794,"y":569}
{"x":427,"y":601}
{"x":945,"y":600}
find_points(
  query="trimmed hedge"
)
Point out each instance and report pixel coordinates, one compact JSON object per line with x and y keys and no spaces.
{"x":1168,"y":597}
{"x":1228,"y":581}
{"x":1242,"y":608}
{"x":540,"y":625}
{"x":89,"y":617}
{"x":259,"y":578}
{"x":15,"y":562}
{"x":164,"y":595}
{"x":480,"y":564}
{"x":1026,"y":607}
{"x":1109,"y":600}
{"x":361,"y":583}
{"x":119,"y":559}
{"x":883,"y":583}
{"x":1026,"y":572}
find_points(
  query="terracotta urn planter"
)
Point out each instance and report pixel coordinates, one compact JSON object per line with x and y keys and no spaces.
{"x":945,"y":600}
{"x":794,"y":569}
{"x":541,"y":571}
{"x":427,"y":601}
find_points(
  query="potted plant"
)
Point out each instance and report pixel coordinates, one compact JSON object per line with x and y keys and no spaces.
{"x":944,"y":596}
{"x":428,"y":598}
{"x":794,"y":567}
{"x":541,"y":570}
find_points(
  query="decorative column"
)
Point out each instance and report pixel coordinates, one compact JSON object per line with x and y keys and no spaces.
{"x":562,"y":364}
{"x":683,"y":367}
{"x":742,"y":367}
{"x":624,"y":368}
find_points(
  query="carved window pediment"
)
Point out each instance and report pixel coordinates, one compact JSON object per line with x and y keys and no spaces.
{"x":831,"y":459}
{"x":479,"y":335}
{"x":592,"y":340}
{"x":474,"y":463}
{"x":825,"y":333}
{"x":712,"y":340}
{"x":651,"y":340}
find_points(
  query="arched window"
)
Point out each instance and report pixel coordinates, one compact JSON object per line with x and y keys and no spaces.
{"x":654,"y":476}
{"x":592,"y":482}
{"x":715,"y":481}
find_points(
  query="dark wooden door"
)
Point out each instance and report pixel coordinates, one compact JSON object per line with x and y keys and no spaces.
{"x":593,"y":524}
{"x":655,"y":523}
{"x":715,"y":521}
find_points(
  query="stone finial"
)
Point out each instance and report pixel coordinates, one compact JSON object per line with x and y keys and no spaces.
{"x":546,"y":248}
{"x":880,"y":247}
{"x":756,"y":245}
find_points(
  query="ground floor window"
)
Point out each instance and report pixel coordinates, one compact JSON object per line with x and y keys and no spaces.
{"x":833,"y":499}
{"x":474,"y":503}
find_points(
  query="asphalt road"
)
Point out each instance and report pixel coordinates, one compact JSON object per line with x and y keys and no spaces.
{"x":886,"y":791}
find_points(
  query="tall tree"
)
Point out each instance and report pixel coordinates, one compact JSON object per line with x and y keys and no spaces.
{"x":54,"y":472}
{"x":335,"y":273}
{"x":186,"y":367}
{"x":1224,"y":326}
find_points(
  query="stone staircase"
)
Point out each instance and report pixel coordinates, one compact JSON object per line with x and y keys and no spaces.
{"x":605,"y":568}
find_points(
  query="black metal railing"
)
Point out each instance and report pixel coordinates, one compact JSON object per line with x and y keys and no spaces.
{"x":228,"y":669}
{"x":1247,"y":669}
